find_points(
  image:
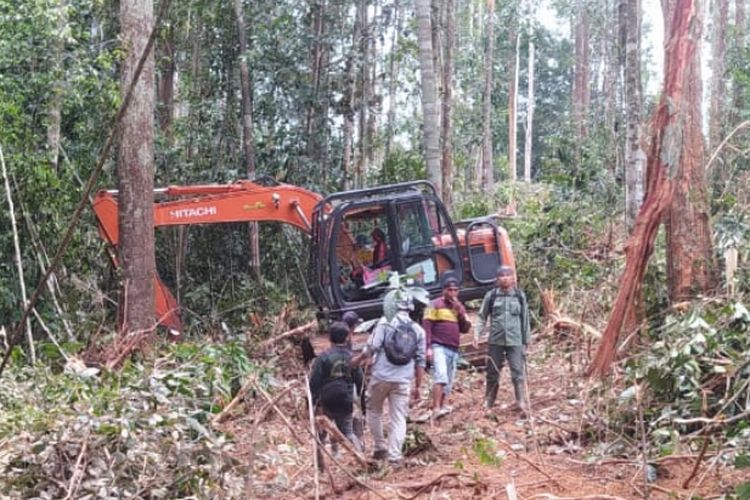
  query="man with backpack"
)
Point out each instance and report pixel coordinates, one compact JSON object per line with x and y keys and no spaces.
{"x":444,"y":322}
{"x":398,"y":346}
{"x":333,"y":380}
{"x":509,"y":336}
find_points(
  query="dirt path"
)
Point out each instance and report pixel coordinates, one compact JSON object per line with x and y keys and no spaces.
{"x":471,"y":453}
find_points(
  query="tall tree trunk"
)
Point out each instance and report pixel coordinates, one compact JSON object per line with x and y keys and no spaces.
{"x":430,"y":121}
{"x":690,"y":262}
{"x":488,"y":175}
{"x":246,"y":90}
{"x":392,"y":76}
{"x":135,"y":171}
{"x":165,"y":82}
{"x":635,"y":157}
{"x":348,"y":105}
{"x":54,"y":106}
{"x":581,"y":93}
{"x":528,"y":142}
{"x":515,"y":37}
{"x":447,"y":128}
{"x":717,"y":107}
{"x":364,"y":86}
{"x":739,"y":36}
{"x":19,"y":257}
{"x":374,"y":100}
{"x":663,"y":160}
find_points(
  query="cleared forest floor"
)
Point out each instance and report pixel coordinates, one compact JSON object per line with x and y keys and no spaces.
{"x":472,"y":453}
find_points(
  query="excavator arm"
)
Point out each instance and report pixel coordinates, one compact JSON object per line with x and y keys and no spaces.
{"x":242,"y":201}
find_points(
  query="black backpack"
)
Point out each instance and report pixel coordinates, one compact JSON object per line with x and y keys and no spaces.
{"x":337,"y":391}
{"x":401,"y":342}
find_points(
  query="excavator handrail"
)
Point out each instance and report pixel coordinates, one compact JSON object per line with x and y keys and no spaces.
{"x":360,"y":194}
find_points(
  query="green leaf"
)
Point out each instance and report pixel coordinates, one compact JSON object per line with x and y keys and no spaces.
{"x":743,"y":491}
{"x":742,"y":460}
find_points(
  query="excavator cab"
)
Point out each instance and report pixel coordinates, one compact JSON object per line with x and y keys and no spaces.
{"x":360,"y":237}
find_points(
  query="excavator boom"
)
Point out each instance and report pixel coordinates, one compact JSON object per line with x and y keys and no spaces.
{"x":243,"y":201}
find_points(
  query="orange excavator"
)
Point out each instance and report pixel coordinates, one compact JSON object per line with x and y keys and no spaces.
{"x":357,"y":238}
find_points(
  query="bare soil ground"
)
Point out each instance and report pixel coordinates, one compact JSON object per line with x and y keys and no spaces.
{"x":472,"y":453}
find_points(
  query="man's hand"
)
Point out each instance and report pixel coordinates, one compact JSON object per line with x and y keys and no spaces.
{"x":428,"y":354}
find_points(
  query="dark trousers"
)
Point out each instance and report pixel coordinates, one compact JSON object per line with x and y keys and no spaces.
{"x":497,"y":355}
{"x":345,"y":424}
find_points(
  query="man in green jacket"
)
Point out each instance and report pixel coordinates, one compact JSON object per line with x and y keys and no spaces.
{"x":508,"y":312}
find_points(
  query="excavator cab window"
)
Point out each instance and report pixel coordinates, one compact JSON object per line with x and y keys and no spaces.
{"x":428,"y":247}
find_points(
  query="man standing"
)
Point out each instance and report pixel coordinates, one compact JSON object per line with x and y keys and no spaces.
{"x":399,"y":349}
{"x":333,"y":381}
{"x":509,"y":335}
{"x":444,"y":322}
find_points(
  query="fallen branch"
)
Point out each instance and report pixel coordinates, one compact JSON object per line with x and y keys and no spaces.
{"x":698,"y":460}
{"x":303,"y":443}
{"x":324,"y":423}
{"x":294,"y":332}
{"x":314,"y":439}
{"x":75,"y":479}
{"x":549,"y":496}
{"x":535,"y":466}
{"x":240,"y":395}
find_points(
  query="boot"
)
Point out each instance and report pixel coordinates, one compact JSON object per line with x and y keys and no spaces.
{"x":520,"y":391}
{"x":490,"y":394}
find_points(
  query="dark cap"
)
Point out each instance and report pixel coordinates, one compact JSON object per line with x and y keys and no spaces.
{"x":351,"y":319}
{"x":504,"y":271}
{"x":449,"y":280}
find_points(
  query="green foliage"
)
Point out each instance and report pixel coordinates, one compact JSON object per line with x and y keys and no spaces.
{"x":707,"y":346}
{"x":486,"y":452}
{"x":126,"y":420}
{"x":743,"y":491}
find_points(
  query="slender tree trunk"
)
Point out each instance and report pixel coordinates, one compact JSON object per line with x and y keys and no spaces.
{"x":635,"y":156}
{"x":717,"y":108}
{"x":581,"y":93}
{"x":19,"y":257}
{"x":135,"y":171}
{"x":663,"y":160}
{"x":392,"y":76}
{"x":165,"y":83}
{"x":528,"y":142}
{"x":513,"y":106}
{"x":488,"y":175}
{"x":55,"y":104}
{"x":373,"y":105}
{"x":364,"y":86}
{"x":246,"y":90}
{"x":690,"y":262}
{"x":739,"y":36}
{"x":348,"y":105}
{"x":447,"y":128}
{"x":430,"y":121}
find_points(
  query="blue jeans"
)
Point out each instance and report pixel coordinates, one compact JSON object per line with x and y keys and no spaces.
{"x":444,"y":362}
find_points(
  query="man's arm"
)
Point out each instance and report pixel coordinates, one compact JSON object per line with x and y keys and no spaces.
{"x":419,"y":364}
{"x":427,"y":325}
{"x":482,"y":315}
